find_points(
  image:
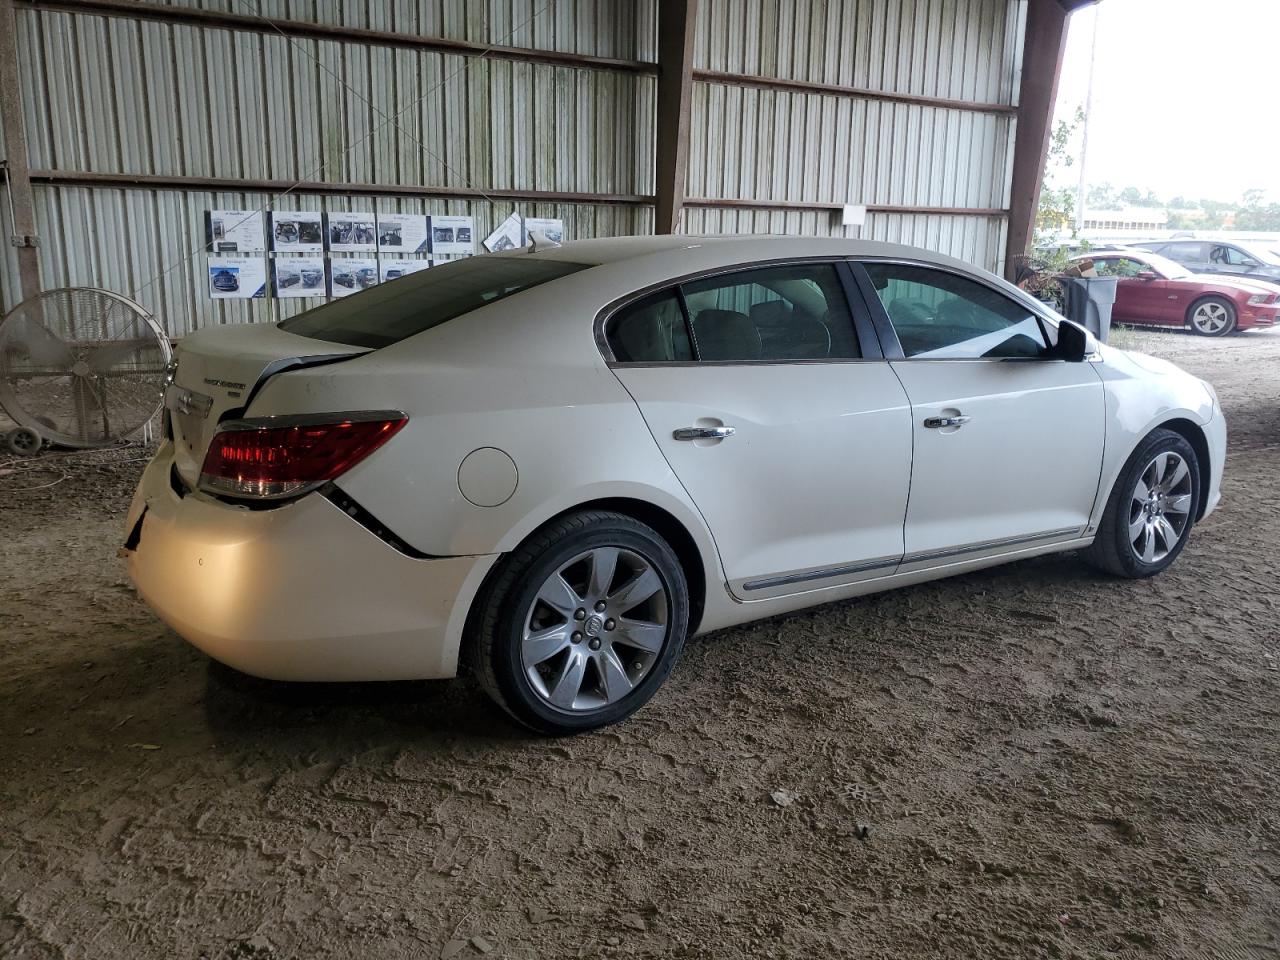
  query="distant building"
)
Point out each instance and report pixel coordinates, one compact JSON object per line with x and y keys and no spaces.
{"x":1130,"y":218}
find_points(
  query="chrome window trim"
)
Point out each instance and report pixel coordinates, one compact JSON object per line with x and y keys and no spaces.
{"x":610,"y":309}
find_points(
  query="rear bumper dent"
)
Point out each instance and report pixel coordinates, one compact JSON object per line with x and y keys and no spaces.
{"x":300,"y":592}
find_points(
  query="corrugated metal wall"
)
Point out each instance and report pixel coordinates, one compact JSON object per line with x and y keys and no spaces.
{"x":135,"y":96}
{"x":117,"y":95}
{"x":787,"y":145}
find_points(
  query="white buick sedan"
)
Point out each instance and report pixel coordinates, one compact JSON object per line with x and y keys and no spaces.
{"x":553,"y":465}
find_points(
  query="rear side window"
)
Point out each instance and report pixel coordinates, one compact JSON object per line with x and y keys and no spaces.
{"x":1183,"y":252}
{"x":791,"y":312}
{"x":387,"y":314}
{"x":651,"y":331}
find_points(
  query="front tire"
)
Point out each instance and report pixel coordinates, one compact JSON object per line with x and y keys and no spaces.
{"x":1151,"y":509}
{"x":1212,"y":317}
{"x":581,"y":624}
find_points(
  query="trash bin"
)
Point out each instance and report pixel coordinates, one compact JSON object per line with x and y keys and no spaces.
{"x":1089,"y":301}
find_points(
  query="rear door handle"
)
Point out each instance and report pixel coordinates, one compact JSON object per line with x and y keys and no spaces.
{"x":946,"y":421}
{"x":703,"y":433}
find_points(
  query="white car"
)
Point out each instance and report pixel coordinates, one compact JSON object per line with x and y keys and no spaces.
{"x":555,"y":464}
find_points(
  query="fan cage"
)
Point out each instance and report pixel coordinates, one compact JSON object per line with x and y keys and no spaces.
{"x":84,"y":367}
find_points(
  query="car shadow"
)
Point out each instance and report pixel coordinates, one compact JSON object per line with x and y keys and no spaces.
{"x":241,"y":709}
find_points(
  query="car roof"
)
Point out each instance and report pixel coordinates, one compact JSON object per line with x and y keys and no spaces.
{"x":729,"y":250}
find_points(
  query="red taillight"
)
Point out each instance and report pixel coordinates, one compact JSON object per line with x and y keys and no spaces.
{"x":275,"y":457}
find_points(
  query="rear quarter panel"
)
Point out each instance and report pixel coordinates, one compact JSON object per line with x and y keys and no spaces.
{"x":524,"y":376}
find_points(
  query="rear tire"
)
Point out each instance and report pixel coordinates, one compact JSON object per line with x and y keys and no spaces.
{"x":1212,"y":317}
{"x":1151,"y":509}
{"x":581,"y":624}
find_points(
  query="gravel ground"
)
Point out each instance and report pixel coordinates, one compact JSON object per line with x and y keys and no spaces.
{"x":1032,"y":761}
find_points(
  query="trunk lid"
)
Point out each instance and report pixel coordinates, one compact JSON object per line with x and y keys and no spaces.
{"x":218,"y":370}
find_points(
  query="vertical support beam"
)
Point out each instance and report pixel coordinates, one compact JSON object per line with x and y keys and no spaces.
{"x":20,"y":199}
{"x":677,"y":20}
{"x":1043,"y":46}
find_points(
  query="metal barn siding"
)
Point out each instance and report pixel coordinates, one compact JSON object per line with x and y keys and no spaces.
{"x":906,"y":106}
{"x":953,"y":49}
{"x":116,"y":95}
{"x":602,"y":28}
{"x":928,"y":122}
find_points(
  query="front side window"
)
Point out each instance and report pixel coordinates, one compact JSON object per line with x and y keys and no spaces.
{"x":791,"y":312}
{"x":1232,"y":256}
{"x":939,"y":315}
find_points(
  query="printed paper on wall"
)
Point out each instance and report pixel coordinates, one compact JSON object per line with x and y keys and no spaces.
{"x":351,"y":232}
{"x":234,"y":231}
{"x":348,"y":275}
{"x":508,"y":234}
{"x":297,"y":231}
{"x":453,"y":235}
{"x":402,"y":233}
{"x":393,"y":269}
{"x":299,"y":277}
{"x":550,"y":228}
{"x":237,"y":278}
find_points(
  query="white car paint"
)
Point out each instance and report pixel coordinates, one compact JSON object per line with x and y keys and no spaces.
{"x":830,"y":471}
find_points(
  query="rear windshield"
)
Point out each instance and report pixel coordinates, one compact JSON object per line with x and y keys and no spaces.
{"x":399,"y":308}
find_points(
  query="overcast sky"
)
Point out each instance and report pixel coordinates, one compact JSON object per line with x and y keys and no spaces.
{"x":1186,"y":95}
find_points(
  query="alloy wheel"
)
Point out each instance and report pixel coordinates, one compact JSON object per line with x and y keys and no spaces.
{"x":595,"y":629}
{"x":1210,"y":318}
{"x":1160,"y":507}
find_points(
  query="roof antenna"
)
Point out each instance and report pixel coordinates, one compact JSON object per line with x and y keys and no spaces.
{"x":540,"y":241}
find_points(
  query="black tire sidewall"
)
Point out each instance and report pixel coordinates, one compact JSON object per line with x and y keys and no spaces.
{"x":1159,"y":442}
{"x":1231,"y":312}
{"x":517,"y":693}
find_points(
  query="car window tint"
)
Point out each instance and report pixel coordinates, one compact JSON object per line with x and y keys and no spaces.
{"x":650,"y":331}
{"x":792,"y":312}
{"x":941,"y":315}
{"x":1184,"y":252}
{"x":382,"y":315}
{"x":1233,"y":256}
{"x":1122,"y":267}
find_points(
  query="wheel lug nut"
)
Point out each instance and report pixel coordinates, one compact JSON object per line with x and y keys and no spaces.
{"x":609,"y":624}
{"x":600,"y":605}
{"x":579,"y":614}
{"x":594,"y":644}
{"x":577,"y":637}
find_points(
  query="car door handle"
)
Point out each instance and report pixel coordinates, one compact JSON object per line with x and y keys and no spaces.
{"x":703,"y":433}
{"x":946,"y":421}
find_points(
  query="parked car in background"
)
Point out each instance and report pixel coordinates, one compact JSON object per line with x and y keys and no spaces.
{"x":1158,"y":291}
{"x":1240,"y":258}
{"x":555,"y":465}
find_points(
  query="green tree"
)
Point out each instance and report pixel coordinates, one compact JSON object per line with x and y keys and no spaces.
{"x":1056,"y":211}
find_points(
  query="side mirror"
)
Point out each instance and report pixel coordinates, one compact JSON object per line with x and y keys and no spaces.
{"x":1147,"y":275}
{"x":1074,"y":343}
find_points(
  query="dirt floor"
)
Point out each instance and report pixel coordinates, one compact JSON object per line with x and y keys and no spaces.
{"x":1033,"y":761}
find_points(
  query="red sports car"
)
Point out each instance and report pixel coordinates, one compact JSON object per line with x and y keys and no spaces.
{"x":1153,"y":289}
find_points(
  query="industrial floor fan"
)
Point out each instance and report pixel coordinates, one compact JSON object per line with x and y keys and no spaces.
{"x":80,"y":367}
